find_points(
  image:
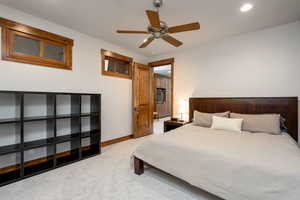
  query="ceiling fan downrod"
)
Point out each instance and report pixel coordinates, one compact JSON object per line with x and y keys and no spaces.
{"x":158,"y":4}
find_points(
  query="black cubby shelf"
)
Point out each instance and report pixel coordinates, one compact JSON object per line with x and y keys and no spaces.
{"x":87,"y":134}
{"x":8,"y":149}
{"x":30,"y":119}
{"x":67,"y":138}
{"x":9,"y":120}
{"x":38,"y":118}
{"x":38,"y":143}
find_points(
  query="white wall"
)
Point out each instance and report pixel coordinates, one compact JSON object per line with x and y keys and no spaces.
{"x":85,"y":76}
{"x":264,"y":63}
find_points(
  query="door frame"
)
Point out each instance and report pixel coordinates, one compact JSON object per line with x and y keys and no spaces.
{"x":168,"y":61}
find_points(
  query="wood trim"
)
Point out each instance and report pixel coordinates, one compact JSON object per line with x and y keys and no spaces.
{"x":162,"y":62}
{"x":116,"y":56}
{"x":117,"y":140}
{"x":9,"y":169}
{"x":9,"y":31}
{"x":38,"y":63}
{"x":3,"y":42}
{"x":167,"y":62}
{"x":116,"y":74}
{"x":134,"y":94}
{"x":42,"y":50}
{"x":37,"y":59}
{"x":6,"y":23}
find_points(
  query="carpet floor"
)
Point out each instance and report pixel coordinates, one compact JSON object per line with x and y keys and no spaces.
{"x":108,"y":176}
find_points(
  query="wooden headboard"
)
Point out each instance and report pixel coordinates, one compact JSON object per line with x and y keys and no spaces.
{"x":287,"y":107}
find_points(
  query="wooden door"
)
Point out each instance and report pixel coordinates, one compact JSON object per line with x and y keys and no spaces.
{"x":142,"y":100}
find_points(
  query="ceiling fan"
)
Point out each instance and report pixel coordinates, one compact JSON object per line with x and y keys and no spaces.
{"x":159,"y":29}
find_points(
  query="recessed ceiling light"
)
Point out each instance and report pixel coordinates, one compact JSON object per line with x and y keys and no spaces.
{"x":246,"y":7}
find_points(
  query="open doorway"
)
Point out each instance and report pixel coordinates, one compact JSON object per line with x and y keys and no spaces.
{"x":162,"y":84}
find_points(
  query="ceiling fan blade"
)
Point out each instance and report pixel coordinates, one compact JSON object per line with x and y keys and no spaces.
{"x":172,"y":40}
{"x":153,"y":17}
{"x":185,"y":27}
{"x":134,"y":32}
{"x":147,"y":42}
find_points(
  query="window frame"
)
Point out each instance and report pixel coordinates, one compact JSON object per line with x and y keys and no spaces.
{"x":117,"y":58}
{"x":11,"y":29}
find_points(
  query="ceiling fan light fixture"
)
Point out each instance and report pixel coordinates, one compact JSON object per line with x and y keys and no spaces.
{"x":246,"y":7}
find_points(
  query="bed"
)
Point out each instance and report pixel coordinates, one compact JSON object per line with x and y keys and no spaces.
{"x":230,"y":165}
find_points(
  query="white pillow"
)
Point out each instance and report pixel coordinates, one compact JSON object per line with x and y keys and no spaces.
{"x":228,"y":124}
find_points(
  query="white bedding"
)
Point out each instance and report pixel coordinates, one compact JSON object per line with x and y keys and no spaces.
{"x":231,"y":165}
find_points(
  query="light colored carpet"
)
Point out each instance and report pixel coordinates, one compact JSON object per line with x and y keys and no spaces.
{"x":104,"y":177}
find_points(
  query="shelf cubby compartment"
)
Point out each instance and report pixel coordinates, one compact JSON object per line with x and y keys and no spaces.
{"x":68,"y":152}
{"x":68,"y":106}
{"x":67,"y":129}
{"x":67,"y":140}
{"x":38,"y":133}
{"x":10,"y":168}
{"x":90,"y":127}
{"x":89,"y":147}
{"x":10,"y":107}
{"x":38,"y":107}
{"x":10,"y":141}
{"x":38,"y":160}
{"x":90,"y":105}
{"x":90,"y":136}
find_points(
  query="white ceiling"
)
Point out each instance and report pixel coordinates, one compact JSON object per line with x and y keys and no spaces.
{"x":218,"y":18}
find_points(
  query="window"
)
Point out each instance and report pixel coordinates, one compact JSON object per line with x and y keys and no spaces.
{"x":117,"y":65}
{"x":21,"y":43}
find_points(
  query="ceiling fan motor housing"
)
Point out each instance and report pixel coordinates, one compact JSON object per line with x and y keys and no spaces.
{"x":158,"y":32}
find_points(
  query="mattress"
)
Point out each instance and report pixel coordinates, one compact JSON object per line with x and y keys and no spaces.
{"x":231,"y":165}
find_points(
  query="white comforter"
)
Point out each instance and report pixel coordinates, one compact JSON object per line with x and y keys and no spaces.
{"x":230,"y":165}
